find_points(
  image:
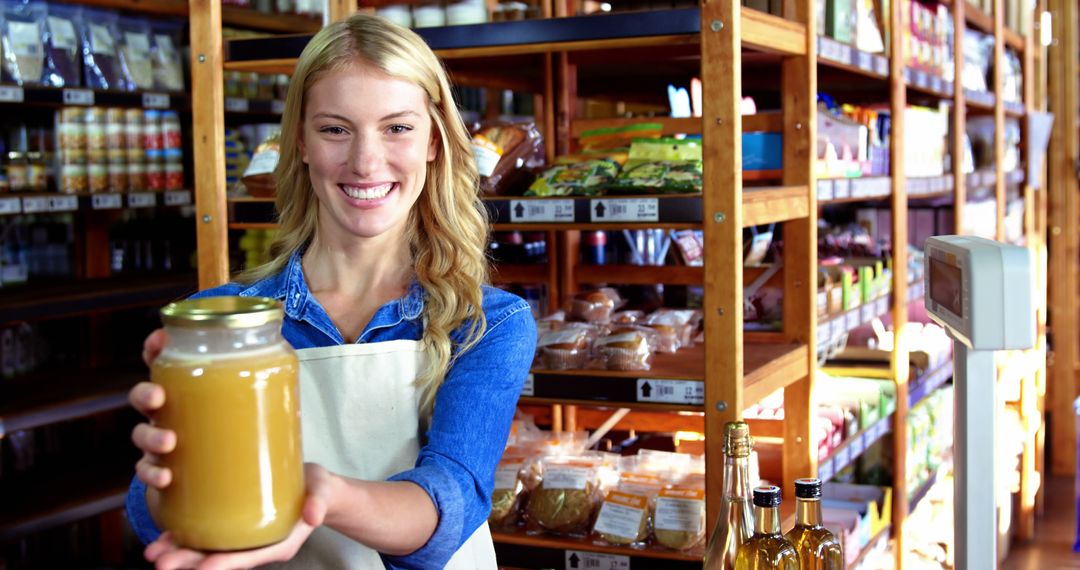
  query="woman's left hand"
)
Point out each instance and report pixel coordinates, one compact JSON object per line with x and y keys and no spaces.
{"x":167,"y":554}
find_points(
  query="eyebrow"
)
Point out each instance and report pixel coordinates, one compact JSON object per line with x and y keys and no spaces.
{"x":398,"y":115}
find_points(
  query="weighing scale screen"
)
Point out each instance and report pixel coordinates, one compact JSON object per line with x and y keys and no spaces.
{"x":947,"y":286}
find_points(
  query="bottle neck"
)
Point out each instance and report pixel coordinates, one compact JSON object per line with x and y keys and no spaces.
{"x":737,"y":477}
{"x":808,"y":512}
{"x":766,"y":520}
{"x":206,"y":341}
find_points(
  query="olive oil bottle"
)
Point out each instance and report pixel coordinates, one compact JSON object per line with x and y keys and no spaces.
{"x":735,"y":524}
{"x":817,"y":547}
{"x":767,"y":549}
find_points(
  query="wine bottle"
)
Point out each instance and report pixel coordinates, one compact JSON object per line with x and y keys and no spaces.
{"x":767,"y":549}
{"x":735,"y":524}
{"x":817,"y":547}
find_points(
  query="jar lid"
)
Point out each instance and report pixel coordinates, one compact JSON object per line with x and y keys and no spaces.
{"x":230,"y":312}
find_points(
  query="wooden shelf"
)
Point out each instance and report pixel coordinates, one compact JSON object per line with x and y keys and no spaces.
{"x":853,"y":447}
{"x":599,"y":212}
{"x":882,"y":535}
{"x":67,"y":298}
{"x":832,"y":328}
{"x":554,"y":552}
{"x":50,"y":397}
{"x":929,"y":186}
{"x":1014,"y":109}
{"x":56,"y":202}
{"x":926,"y":384}
{"x":1014,"y":40}
{"x":233,"y":16}
{"x":842,"y":56}
{"x":56,"y":97}
{"x":519,"y":273}
{"x":979,"y":100}
{"x":978,"y":19}
{"x":772,"y":205}
{"x":841,"y":190}
{"x":640,"y":274}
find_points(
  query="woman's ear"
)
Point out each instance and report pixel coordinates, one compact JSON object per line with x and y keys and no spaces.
{"x":300,"y":142}
{"x":433,"y":144}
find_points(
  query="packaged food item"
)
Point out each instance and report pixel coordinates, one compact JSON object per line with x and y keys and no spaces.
{"x":37,"y":177}
{"x":135,"y":54}
{"x":625,"y":351}
{"x":680,"y":517}
{"x":567,"y":496}
{"x":118,"y":177}
{"x":174,"y":176}
{"x":152,"y":139}
{"x":508,"y":492}
{"x":258,"y":177}
{"x":23,"y":28}
{"x":101,"y":64}
{"x":167,"y":62}
{"x":18,"y":172}
{"x":685,"y":322}
{"x":565,"y":349}
{"x":73,"y":179}
{"x":592,"y":306}
{"x":170,"y":130}
{"x":621,"y":137}
{"x":136,"y":176}
{"x":665,"y":165}
{"x":588,"y":178}
{"x":623,"y":519}
{"x":63,"y":63}
{"x":506,"y":154}
{"x":651,"y":336}
{"x":98,"y":175}
{"x":627,"y":317}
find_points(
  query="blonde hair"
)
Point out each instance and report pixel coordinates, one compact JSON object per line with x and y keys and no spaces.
{"x":447,"y":228}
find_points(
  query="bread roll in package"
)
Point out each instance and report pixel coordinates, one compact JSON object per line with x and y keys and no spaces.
{"x":595,"y":306}
{"x":625,"y":518}
{"x":628,"y":350}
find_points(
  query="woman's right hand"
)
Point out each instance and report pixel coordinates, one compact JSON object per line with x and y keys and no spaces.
{"x":148,"y":398}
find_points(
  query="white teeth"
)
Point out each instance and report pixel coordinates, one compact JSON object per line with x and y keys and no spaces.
{"x":373,"y":193}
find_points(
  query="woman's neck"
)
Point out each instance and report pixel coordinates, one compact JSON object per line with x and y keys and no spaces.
{"x":360,"y":270}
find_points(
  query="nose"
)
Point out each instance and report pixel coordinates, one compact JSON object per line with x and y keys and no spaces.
{"x":366,"y":156}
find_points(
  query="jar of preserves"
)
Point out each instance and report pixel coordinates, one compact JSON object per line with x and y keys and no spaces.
{"x":133,"y":129}
{"x":73,"y":179}
{"x":72,"y":130}
{"x":99,"y":177}
{"x":118,"y":177}
{"x":136,"y":176}
{"x":152,"y":130}
{"x":232,"y":398}
{"x":95,"y":128}
{"x":155,"y":176}
{"x":18,"y":172}
{"x":174,"y":176}
{"x":170,"y":130}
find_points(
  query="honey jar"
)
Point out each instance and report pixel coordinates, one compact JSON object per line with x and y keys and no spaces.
{"x":232,"y":397}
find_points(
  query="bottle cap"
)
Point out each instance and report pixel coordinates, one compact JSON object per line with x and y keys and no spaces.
{"x":809,"y":488}
{"x":737,"y":441}
{"x":767,"y":497}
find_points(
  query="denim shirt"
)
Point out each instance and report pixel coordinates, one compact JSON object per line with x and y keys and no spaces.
{"x":473,"y":407}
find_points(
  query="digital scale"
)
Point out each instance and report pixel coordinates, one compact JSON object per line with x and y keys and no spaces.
{"x":982,"y":292}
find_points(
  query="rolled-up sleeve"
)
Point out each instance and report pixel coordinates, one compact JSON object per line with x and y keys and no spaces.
{"x":473,"y":412}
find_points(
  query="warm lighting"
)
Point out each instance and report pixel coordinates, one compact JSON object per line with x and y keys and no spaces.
{"x":1046,"y":29}
{"x":605,"y":7}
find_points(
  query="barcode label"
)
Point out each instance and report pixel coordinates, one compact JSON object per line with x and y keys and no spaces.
{"x":825,"y":470}
{"x":178,"y":198}
{"x":842,"y":458}
{"x":670,"y":391}
{"x":155,"y":101}
{"x":856,"y":446}
{"x":10,"y":206}
{"x":529,"y":389}
{"x":141,"y":200}
{"x":881,"y":65}
{"x":853,"y":319}
{"x":824,"y":190}
{"x":625,"y":210}
{"x":277,"y":106}
{"x":841,"y":188}
{"x":35,"y":204}
{"x":542,"y":211}
{"x":78,"y":97}
{"x":106,"y":201}
{"x":882,"y":306}
{"x":824,"y":333}
{"x":236,"y":105}
{"x":12,"y":94}
{"x":63,"y":203}
{"x":866,"y":312}
{"x":864,"y":61}
{"x":579,"y":560}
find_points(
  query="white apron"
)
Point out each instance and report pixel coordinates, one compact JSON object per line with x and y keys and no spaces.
{"x":359,"y":419}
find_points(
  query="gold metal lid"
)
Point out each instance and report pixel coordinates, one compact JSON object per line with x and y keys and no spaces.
{"x":223,"y":312}
{"x":737,"y":441}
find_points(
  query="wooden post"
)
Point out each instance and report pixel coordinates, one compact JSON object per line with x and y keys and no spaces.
{"x":339,"y":10}
{"x":800,"y":248}
{"x":208,"y":140}
{"x":959,"y":118}
{"x":999,"y":117}
{"x":721,"y":75}
{"x":1064,"y":235}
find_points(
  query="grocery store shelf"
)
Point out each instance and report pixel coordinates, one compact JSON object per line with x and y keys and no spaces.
{"x":986,"y":178}
{"x":54,"y":300}
{"x":830,"y":330}
{"x":54,"y":202}
{"x":881,"y":536}
{"x":50,"y":397}
{"x":1014,"y":109}
{"x":853,"y":447}
{"x":979,"y":100}
{"x":978,"y":19}
{"x":762,"y":206}
{"x":240,"y":106}
{"x":840,"y":190}
{"x":765,"y":32}
{"x":519,"y":272}
{"x":61,"y":96}
{"x":518,"y":549}
{"x":921,"y":492}
{"x":842,"y":56}
{"x":603,"y":212}
{"x":928,"y":83}
{"x":928,"y":186}
{"x":233,"y":16}
{"x":923,"y":386}
{"x":640,"y":274}
{"x":770,"y":367}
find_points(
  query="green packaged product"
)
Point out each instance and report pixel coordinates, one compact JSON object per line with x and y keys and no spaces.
{"x":663,"y":165}
{"x":587,"y":178}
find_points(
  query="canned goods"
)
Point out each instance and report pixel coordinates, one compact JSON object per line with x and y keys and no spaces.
{"x":95,"y":136}
{"x":174,"y":176}
{"x":99,"y":177}
{"x":136,"y":176}
{"x":118,"y":177}
{"x":170,"y":130}
{"x":72,"y":136}
{"x":155,"y":176}
{"x":73,"y":178}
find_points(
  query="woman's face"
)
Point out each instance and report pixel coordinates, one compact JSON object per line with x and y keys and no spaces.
{"x":367,"y":139}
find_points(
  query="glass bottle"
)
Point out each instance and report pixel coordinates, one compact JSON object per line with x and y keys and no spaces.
{"x":735,"y":524}
{"x":817,"y":547}
{"x":767,"y":549}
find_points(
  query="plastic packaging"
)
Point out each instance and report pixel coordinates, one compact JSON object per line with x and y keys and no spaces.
{"x":684,"y":321}
{"x":507,"y":492}
{"x":680,"y":516}
{"x":506,"y":154}
{"x":663,"y":165}
{"x":592,"y":306}
{"x":565,"y":349}
{"x":588,"y":178}
{"x":567,"y":496}
{"x":625,"y":351}
{"x":135,"y":53}
{"x":23,"y":42}
{"x":101,"y":64}
{"x":63,"y":59}
{"x":168,"y":63}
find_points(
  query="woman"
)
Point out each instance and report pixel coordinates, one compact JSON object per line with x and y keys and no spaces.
{"x":379,"y":263}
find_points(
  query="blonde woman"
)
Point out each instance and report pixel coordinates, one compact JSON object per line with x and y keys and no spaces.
{"x":380,"y":265}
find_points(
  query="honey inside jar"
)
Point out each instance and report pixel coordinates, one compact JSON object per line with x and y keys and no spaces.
{"x":232,"y":398}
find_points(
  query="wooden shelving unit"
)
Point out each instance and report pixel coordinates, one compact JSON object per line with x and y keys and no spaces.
{"x":233,"y":16}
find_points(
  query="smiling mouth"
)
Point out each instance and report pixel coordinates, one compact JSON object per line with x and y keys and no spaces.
{"x":368,"y":193}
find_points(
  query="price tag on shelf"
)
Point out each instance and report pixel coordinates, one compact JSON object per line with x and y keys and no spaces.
{"x":35,"y":204}
{"x":845,"y":54}
{"x":581,"y":560}
{"x":853,"y":319}
{"x":882,"y":306}
{"x":277,"y":106}
{"x":12,"y":94}
{"x":529,"y":389}
{"x":838,"y":327}
{"x":142,"y":200}
{"x":935,"y":83}
{"x":866,"y":312}
{"x":825,"y":470}
{"x":236,"y":105}
{"x":864,"y":61}
{"x":857,"y":445}
{"x":824,"y":332}
{"x":881,"y":66}
{"x":178,"y":197}
{"x":78,"y":97}
{"x":670,"y":391}
{"x":841,"y":188}
{"x":624,"y":210}
{"x":879,"y":430}
{"x":921,"y":79}
{"x":824,"y":190}
{"x":10,"y":206}
{"x":524,"y":211}
{"x":155,"y":101}
{"x":842,"y":457}
{"x":66,"y":203}
{"x":907,"y":75}
{"x":106,"y":201}
{"x":949,"y":88}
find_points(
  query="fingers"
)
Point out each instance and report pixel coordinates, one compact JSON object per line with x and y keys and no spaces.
{"x":146,"y":397}
{"x":153,"y":345}
{"x":154,"y":475}
{"x":320,"y":484}
{"x":180,"y":558}
{"x":152,"y":439}
{"x":279,"y":552}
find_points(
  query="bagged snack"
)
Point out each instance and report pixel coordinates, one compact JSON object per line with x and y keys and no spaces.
{"x":565,"y":349}
{"x":507,"y":493}
{"x":621,"y":137}
{"x":567,"y":496}
{"x":23,"y":42}
{"x":506,"y":152}
{"x":258,"y":177}
{"x":664,"y":165}
{"x":680,"y":517}
{"x":667,"y":337}
{"x":63,"y":60}
{"x":625,"y":351}
{"x":587,"y":178}
{"x":135,"y":53}
{"x":168,"y":62}
{"x":101,"y":64}
{"x":623,"y":519}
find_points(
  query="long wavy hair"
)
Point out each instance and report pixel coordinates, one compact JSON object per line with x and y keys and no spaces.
{"x":447,"y":228}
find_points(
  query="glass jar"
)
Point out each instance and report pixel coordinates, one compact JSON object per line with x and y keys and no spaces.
{"x":118,"y":177}
{"x":174,"y":176}
{"x":152,"y":130}
{"x":73,"y":179}
{"x":18,"y":172}
{"x":155,"y":176}
{"x":232,"y":397}
{"x":136,"y":176}
{"x":170,"y":130}
{"x":37,"y":177}
{"x":99,"y":177}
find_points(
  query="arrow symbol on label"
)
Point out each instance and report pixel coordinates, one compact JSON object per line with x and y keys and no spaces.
{"x":574,"y":560}
{"x":646,"y":389}
{"x":600,"y":209}
{"x":519,"y":210}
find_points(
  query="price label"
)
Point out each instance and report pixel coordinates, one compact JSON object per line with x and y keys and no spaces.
{"x":823,"y":332}
{"x":561,"y":211}
{"x":177,"y":197}
{"x":10,"y":206}
{"x":106,"y":201}
{"x":935,"y":83}
{"x":825,"y":470}
{"x":857,"y":446}
{"x":882,"y":306}
{"x":824,"y":190}
{"x":33,"y":205}
{"x":921,"y":79}
{"x":580,"y":560}
{"x":63,"y":203}
{"x":866,"y":312}
{"x":141,"y":200}
{"x":845,"y":54}
{"x":670,"y":391}
{"x":907,"y":76}
{"x":879,"y":430}
{"x":277,"y":106}
{"x":155,"y":101}
{"x":78,"y":97}
{"x":236,"y":105}
{"x":12,"y":94}
{"x":881,"y":65}
{"x":838,"y":327}
{"x":625,"y":210}
{"x":864,"y":61}
{"x":529,"y":389}
{"x":949,"y":88}
{"x":853,"y":321}
{"x":842,"y":188}
{"x":842,"y":458}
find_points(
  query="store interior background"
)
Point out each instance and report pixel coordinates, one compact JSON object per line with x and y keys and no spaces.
{"x":820,"y":135}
